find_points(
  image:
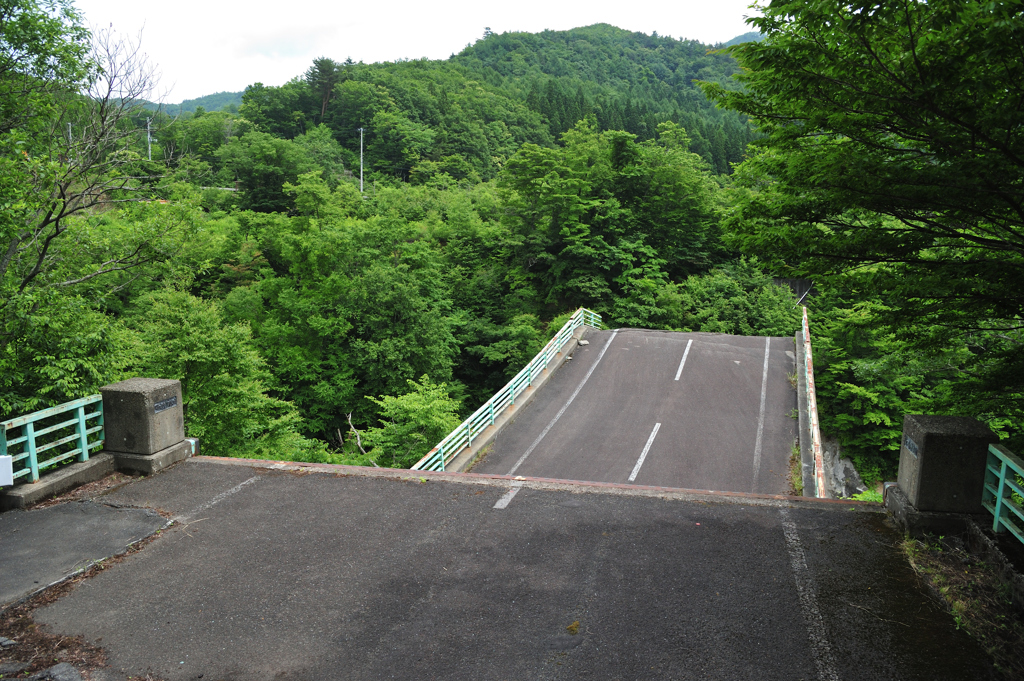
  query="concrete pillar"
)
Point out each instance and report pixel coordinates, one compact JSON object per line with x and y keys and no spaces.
{"x":144,"y":424}
{"x":942,"y":471}
{"x":942,"y":462}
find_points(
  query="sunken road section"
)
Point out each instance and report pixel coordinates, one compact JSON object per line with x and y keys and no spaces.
{"x":279,"y":571}
{"x":692,"y":410}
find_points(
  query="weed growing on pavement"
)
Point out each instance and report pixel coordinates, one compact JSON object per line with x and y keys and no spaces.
{"x":979,"y":601}
{"x":872,"y":495}
{"x":796,"y":470}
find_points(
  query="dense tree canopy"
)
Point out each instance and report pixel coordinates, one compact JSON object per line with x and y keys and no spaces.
{"x":893,"y":136}
{"x":591,"y":218}
{"x":893,"y":163}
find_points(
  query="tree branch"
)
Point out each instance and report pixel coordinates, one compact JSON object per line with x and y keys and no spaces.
{"x":359,"y":442}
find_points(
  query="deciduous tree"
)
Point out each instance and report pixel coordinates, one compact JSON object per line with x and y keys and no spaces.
{"x":894,"y":153}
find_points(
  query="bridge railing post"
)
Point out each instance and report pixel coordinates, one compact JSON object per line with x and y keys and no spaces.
{"x":144,"y":424}
{"x":941,"y":475}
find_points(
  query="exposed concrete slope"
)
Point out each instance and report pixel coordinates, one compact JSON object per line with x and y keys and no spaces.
{"x":725,"y":422}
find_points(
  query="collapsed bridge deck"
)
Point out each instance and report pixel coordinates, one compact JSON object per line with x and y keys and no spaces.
{"x":690,"y":410}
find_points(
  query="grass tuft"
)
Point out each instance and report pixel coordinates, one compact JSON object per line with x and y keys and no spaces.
{"x":979,"y":601}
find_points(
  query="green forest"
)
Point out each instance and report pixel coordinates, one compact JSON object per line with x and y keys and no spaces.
{"x":662,"y":183}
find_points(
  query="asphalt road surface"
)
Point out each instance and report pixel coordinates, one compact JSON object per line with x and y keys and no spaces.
{"x":40,"y":547}
{"x":627,"y":408}
{"x":273,"y":575}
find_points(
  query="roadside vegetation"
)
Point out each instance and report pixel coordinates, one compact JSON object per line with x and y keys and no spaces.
{"x":979,"y":601}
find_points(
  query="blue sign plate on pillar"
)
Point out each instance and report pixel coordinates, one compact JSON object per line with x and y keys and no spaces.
{"x":910,"y":445}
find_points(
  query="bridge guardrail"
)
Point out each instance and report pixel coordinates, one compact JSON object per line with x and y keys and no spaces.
{"x":49,"y":438}
{"x":1003,"y":493}
{"x":484,"y":417}
{"x":812,"y":413}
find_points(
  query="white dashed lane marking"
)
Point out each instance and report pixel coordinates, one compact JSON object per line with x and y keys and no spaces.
{"x":679,"y":371}
{"x":643,"y":454}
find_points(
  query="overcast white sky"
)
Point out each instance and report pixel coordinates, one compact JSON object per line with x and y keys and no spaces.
{"x":208,"y":46}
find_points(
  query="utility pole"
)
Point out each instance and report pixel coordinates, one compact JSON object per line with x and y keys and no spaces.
{"x":149,"y":142}
{"x":360,"y":160}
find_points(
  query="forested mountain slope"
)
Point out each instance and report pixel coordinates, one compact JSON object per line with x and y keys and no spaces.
{"x":412,"y":112}
{"x":467,"y":115}
{"x":629,"y":81}
{"x":218,"y":101}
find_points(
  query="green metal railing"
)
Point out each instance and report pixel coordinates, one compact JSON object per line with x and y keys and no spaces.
{"x":484,"y":417}
{"x":1004,"y":492}
{"x":46,"y":432}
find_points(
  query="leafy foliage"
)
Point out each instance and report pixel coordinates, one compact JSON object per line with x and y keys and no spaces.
{"x":224,"y":380}
{"x":891,"y":172}
{"x":412,"y":423}
{"x":893,"y":152}
{"x":57,"y":348}
{"x":594,"y":217}
{"x":738,"y":298}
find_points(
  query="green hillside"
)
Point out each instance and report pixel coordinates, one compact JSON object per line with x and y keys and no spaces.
{"x":218,"y":101}
{"x":751,"y":37}
{"x":467,"y":115}
{"x":629,"y":81}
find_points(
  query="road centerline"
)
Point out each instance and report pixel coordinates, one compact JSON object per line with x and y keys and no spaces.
{"x":564,"y":406}
{"x":643,"y":454}
{"x":506,"y":499}
{"x":217,"y":499}
{"x":679,"y":371}
{"x":760,"y":416}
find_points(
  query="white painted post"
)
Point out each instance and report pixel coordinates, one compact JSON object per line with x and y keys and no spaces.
{"x":6,"y":471}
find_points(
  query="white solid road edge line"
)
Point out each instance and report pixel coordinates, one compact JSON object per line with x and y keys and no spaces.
{"x":564,"y":406}
{"x":509,"y":495}
{"x":643,"y":454}
{"x":679,"y":371}
{"x":821,"y":651}
{"x":760,"y":417}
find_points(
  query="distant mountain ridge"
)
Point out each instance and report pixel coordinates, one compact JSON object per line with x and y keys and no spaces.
{"x":218,"y":101}
{"x":230,"y":101}
{"x":751,"y":37}
{"x":629,"y":80}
